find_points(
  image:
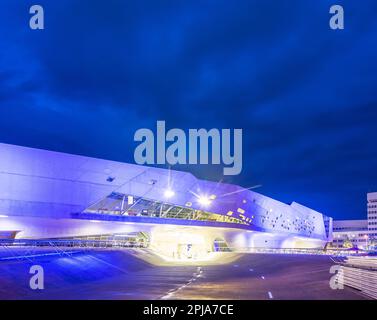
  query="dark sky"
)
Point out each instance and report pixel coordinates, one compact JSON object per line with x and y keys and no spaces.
{"x":304,"y":95}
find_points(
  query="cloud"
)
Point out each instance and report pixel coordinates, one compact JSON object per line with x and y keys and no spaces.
{"x":304,"y":95}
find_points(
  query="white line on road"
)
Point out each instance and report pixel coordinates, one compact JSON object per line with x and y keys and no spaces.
{"x":172,"y":292}
{"x":262,"y":277}
{"x":270,"y":295}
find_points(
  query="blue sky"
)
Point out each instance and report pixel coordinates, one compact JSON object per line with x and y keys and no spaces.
{"x":305,"y":95}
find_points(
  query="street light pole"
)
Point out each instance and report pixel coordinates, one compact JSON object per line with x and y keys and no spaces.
{"x":366,"y":238}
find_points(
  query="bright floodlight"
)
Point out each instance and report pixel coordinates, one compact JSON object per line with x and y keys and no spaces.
{"x":169,"y":193}
{"x":205,"y":201}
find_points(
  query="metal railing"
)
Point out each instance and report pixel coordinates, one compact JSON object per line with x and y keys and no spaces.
{"x":29,"y":249}
{"x":283,"y":251}
{"x":314,"y":251}
{"x":82,"y":243}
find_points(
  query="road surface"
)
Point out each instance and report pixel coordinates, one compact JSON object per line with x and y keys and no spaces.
{"x":121,"y":274}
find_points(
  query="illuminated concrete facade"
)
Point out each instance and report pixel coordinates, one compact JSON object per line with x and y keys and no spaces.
{"x":372,"y":211}
{"x":358,"y":233}
{"x":46,"y":195}
{"x":353,"y":233}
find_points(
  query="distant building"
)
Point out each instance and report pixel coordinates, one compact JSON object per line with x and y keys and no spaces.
{"x":358,"y":233}
{"x":372,"y":211}
{"x":354,"y":232}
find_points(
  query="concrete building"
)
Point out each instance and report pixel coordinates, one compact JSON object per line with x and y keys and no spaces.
{"x":358,"y":233}
{"x":372,"y":211}
{"x":353,"y":232}
{"x":52,"y":195}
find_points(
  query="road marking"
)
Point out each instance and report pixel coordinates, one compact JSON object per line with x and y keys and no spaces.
{"x":270,"y":295}
{"x":174,"y":291}
{"x":262,"y":277}
{"x":167,"y":296}
{"x":251,"y":270}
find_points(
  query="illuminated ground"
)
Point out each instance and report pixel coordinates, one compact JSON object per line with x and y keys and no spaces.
{"x":115,"y":274}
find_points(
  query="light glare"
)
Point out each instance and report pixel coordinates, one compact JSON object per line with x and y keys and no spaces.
{"x":169,"y":193}
{"x":205,"y":201}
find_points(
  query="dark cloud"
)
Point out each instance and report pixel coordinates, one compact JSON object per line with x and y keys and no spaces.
{"x":304,"y":95}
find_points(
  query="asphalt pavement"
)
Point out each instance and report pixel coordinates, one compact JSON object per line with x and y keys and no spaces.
{"x":121,"y":274}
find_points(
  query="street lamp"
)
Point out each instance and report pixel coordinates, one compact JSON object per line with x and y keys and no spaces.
{"x":366,"y":238}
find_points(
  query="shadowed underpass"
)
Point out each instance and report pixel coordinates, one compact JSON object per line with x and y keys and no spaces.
{"x":122,"y":274}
